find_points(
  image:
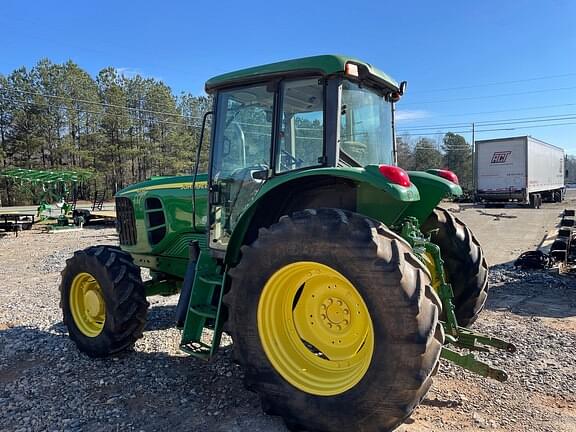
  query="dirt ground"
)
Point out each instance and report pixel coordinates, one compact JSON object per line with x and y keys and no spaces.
{"x":46,"y":384}
{"x":505,"y":232}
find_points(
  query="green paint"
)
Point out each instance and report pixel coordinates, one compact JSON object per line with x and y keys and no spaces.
{"x":460,"y":337}
{"x":433,"y":189}
{"x":208,"y":282}
{"x":46,"y":176}
{"x":377,"y":198}
{"x":469,"y":362}
{"x":164,"y":287}
{"x":170,"y":255}
{"x":401,"y":208}
{"x":324,"y":65}
{"x":421,"y":244}
{"x":48,"y":186}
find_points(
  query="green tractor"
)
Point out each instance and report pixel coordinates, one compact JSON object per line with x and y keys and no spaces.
{"x":339,"y":279}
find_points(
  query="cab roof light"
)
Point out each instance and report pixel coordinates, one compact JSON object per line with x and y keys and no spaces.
{"x":447,"y":174}
{"x":351,"y":70}
{"x":395,"y":174}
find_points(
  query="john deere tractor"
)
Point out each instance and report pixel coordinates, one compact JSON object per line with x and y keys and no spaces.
{"x":340,"y":280}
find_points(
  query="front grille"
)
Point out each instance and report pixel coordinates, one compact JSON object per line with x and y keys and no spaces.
{"x":126,"y":221}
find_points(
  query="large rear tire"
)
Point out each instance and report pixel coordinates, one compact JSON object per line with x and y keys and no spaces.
{"x":103,"y":300}
{"x":334,"y":322}
{"x":464,"y":264}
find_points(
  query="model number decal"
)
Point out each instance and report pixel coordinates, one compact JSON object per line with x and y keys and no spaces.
{"x":500,"y":156}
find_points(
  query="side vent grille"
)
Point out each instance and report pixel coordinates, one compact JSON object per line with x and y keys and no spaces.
{"x":126,"y":221}
{"x":155,"y":220}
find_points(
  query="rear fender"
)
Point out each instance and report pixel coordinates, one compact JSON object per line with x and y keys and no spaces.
{"x":362,"y":190}
{"x":433,"y":189}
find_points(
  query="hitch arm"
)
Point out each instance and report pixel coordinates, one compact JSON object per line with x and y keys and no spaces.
{"x":471,"y":340}
{"x":456,"y":335}
{"x":469,"y":362}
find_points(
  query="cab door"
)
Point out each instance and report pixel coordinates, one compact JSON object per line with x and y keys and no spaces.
{"x":241,"y":155}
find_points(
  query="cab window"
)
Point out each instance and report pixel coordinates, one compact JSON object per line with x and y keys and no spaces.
{"x":301,"y":135}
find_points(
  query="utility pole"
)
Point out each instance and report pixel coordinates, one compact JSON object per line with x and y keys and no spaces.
{"x":474,"y":163}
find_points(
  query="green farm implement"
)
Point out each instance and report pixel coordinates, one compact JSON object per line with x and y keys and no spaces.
{"x":54,"y":190}
{"x":339,"y":278}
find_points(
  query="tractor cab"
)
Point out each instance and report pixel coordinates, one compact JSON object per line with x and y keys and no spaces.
{"x":277,"y":119}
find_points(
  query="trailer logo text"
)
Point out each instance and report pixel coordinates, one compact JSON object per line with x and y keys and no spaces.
{"x":500,"y":157}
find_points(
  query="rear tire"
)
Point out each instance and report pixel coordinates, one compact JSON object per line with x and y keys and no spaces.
{"x":103,"y":300}
{"x":401,"y":305}
{"x":464,"y":264}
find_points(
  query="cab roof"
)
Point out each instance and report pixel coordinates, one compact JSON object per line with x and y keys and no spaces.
{"x":322,"y":64}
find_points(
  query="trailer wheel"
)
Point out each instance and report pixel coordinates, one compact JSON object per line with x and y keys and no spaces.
{"x":464,"y":263}
{"x":103,"y":300}
{"x":535,"y":201}
{"x":337,"y":329}
{"x":557,"y":196}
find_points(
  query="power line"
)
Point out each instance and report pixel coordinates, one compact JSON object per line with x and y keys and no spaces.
{"x":490,"y":130}
{"x":502,"y":111}
{"x":407,"y":129}
{"x":103,"y":104}
{"x":569,"y":116}
{"x":491,"y":96}
{"x":96,"y":112}
{"x":498,"y":83}
{"x":572,"y":117}
{"x":527,"y":127}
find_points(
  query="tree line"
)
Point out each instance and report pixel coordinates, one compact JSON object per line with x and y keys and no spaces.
{"x":122,"y":128}
{"x":125,"y":129}
{"x":452,"y":153}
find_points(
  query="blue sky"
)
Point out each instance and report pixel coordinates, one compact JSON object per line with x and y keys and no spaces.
{"x":482,"y":61}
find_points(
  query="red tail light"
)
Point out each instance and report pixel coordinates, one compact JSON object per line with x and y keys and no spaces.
{"x":448,"y":175}
{"x":395,"y":174}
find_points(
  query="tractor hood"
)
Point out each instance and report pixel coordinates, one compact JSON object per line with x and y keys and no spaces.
{"x":161,"y":183}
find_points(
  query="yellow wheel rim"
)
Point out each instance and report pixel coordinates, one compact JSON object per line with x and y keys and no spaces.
{"x":315,"y":328}
{"x":87,"y":304}
{"x":428,"y":260}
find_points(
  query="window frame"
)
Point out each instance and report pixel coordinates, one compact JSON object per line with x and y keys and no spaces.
{"x":218,"y":119}
{"x":278,"y":116}
{"x":380,"y":91}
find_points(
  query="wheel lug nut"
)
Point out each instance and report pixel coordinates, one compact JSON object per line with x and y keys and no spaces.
{"x":339,"y":302}
{"x":338,"y":327}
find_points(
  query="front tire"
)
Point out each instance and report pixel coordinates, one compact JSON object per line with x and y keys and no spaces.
{"x":334,"y":322}
{"x":464,"y":264}
{"x":103,"y":300}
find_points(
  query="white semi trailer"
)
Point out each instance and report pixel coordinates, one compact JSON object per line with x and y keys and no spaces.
{"x":521,"y":169}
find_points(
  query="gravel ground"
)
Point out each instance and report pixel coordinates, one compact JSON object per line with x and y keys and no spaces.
{"x":46,"y":384}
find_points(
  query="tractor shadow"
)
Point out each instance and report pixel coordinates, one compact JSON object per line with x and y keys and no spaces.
{"x":441,"y":403}
{"x":147,"y":388}
{"x":161,"y":317}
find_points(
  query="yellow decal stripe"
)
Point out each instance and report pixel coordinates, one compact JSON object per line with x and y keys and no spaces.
{"x":186,"y":185}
